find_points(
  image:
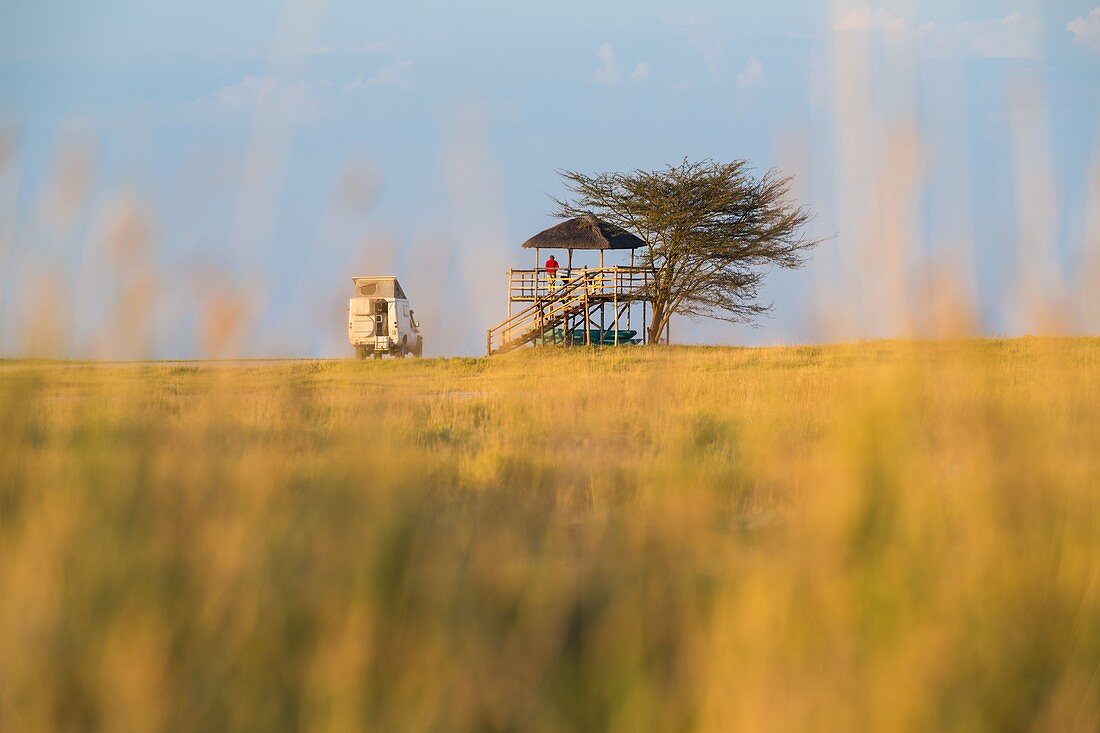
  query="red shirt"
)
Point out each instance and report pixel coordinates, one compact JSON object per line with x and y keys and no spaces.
{"x":551,"y":266}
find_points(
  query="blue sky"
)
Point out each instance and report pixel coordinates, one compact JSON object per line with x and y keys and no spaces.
{"x":198,"y":179}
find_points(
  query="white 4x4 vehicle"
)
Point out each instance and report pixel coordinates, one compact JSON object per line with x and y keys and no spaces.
{"x":380,"y":320}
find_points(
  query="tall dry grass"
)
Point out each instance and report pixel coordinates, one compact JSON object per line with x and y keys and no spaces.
{"x":878,"y":536}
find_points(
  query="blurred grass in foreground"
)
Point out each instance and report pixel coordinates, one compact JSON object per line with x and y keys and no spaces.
{"x":882,"y":536}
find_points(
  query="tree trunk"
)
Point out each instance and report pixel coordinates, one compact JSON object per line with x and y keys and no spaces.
{"x":658,"y":322}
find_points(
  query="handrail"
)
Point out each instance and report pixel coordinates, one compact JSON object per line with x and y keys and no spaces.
{"x":535,"y":314}
{"x":554,"y":304}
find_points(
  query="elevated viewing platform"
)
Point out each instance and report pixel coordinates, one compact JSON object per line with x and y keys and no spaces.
{"x":572,"y":308}
{"x":567,"y":305}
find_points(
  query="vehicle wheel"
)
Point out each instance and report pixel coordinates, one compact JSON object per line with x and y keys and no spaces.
{"x":376,"y":354}
{"x":360,"y":353}
{"x":418,"y":350}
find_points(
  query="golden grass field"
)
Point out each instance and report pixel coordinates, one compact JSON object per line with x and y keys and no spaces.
{"x":885,"y":536}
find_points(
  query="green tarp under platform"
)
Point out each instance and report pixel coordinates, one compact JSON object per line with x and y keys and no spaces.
{"x":598,"y":337}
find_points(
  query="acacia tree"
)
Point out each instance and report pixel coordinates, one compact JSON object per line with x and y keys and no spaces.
{"x":711,"y":229}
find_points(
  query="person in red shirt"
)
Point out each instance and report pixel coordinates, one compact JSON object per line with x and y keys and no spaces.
{"x":552,"y":272}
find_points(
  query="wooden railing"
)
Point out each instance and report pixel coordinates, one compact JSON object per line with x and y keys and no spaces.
{"x":526,"y":286}
{"x":555,"y":298}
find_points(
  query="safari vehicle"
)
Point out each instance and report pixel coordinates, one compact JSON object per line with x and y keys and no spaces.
{"x":380,"y":320}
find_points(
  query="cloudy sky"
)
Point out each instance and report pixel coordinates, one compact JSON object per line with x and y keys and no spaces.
{"x":187,"y":179}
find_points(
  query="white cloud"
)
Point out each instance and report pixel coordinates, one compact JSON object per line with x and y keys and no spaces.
{"x":751,"y":75}
{"x":866,"y":20}
{"x":290,"y":51}
{"x":1086,"y":30}
{"x":298,"y":101}
{"x":354,"y":86}
{"x":1014,"y":36}
{"x":368,"y":48}
{"x":397,"y":74}
{"x":295,"y":102}
{"x":707,"y":39}
{"x":609,"y":73}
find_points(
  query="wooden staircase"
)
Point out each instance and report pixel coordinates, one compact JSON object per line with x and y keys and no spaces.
{"x":577,"y":295}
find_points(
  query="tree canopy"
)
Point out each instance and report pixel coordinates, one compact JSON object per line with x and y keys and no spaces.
{"x":712,"y":230}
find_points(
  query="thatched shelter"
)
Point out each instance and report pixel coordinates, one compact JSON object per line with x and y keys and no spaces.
{"x":583,"y":232}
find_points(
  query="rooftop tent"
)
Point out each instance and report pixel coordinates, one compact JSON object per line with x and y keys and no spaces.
{"x":378,"y":287}
{"x":584,"y":232}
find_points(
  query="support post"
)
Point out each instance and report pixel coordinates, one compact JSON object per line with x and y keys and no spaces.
{"x":603,"y":292}
{"x":630,"y":307}
{"x":587,"y":330}
{"x":615,"y":300}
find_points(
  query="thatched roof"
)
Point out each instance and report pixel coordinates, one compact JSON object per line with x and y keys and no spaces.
{"x":584,"y":232}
